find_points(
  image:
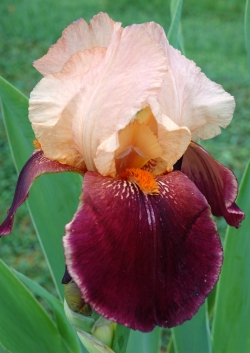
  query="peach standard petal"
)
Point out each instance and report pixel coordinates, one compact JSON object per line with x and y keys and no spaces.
{"x":77,"y":36}
{"x":173,"y":139}
{"x":95,"y":95}
{"x":56,"y":101}
{"x":187,"y":96}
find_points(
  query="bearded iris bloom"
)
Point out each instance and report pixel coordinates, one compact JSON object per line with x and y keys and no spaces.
{"x":122,"y":107}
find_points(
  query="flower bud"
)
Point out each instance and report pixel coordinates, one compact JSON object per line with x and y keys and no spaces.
{"x":95,"y":332}
{"x":74,"y":299}
{"x":104,"y":330}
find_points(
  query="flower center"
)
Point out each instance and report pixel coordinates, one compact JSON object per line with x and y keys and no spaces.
{"x":138,"y":142}
{"x":145,"y":180}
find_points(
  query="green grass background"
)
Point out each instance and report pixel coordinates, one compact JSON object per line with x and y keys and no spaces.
{"x":213,"y":34}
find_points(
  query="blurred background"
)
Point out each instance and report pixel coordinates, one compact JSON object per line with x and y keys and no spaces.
{"x":213,"y":34}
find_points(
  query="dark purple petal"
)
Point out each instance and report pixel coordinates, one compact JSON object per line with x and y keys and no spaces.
{"x":143,"y":260}
{"x":37,"y":165}
{"x":216,"y":182}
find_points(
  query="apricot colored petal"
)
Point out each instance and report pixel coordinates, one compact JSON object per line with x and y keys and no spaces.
{"x":137,"y":135}
{"x":37,"y":165}
{"x":173,"y":140}
{"x":156,"y":166}
{"x":56,"y":101}
{"x":216,"y":182}
{"x":98,"y":93}
{"x":143,"y":260}
{"x":77,"y":36}
{"x":128,"y":78}
{"x":188,"y":97}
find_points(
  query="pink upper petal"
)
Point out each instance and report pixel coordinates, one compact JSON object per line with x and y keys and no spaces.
{"x":217,"y":183}
{"x":139,"y":259}
{"x":77,"y":36}
{"x":56,"y":101}
{"x":35,"y":166}
{"x":97,"y":93}
{"x":188,"y":97}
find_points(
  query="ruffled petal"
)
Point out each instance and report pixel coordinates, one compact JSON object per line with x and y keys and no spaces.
{"x":216,"y":182}
{"x":37,"y":165}
{"x":56,"y":101}
{"x":97,"y":93}
{"x":77,"y":36}
{"x":173,"y":140}
{"x":188,"y":97}
{"x":170,"y":144}
{"x":143,"y":260}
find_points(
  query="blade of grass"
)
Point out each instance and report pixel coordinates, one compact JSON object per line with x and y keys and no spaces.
{"x":247,"y":33}
{"x":231,"y":325}
{"x":175,"y":33}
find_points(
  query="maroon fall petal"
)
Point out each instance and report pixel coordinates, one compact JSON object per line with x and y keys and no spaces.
{"x":216,"y":182}
{"x":143,"y":260}
{"x":37,"y":165}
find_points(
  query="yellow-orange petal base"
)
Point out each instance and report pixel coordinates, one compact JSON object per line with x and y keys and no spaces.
{"x":145,"y":180}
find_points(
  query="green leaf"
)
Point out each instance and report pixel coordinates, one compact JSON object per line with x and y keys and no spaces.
{"x":144,"y":342}
{"x":232,"y":309}
{"x":171,"y":348}
{"x":175,"y":33}
{"x":64,"y":327}
{"x":247,"y":33}
{"x":194,"y":335}
{"x":53,"y":198}
{"x":121,"y":339}
{"x":211,"y":302}
{"x":24,"y":325}
{"x":3,"y":350}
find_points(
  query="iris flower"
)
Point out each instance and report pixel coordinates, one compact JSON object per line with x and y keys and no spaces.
{"x":122,"y":107}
